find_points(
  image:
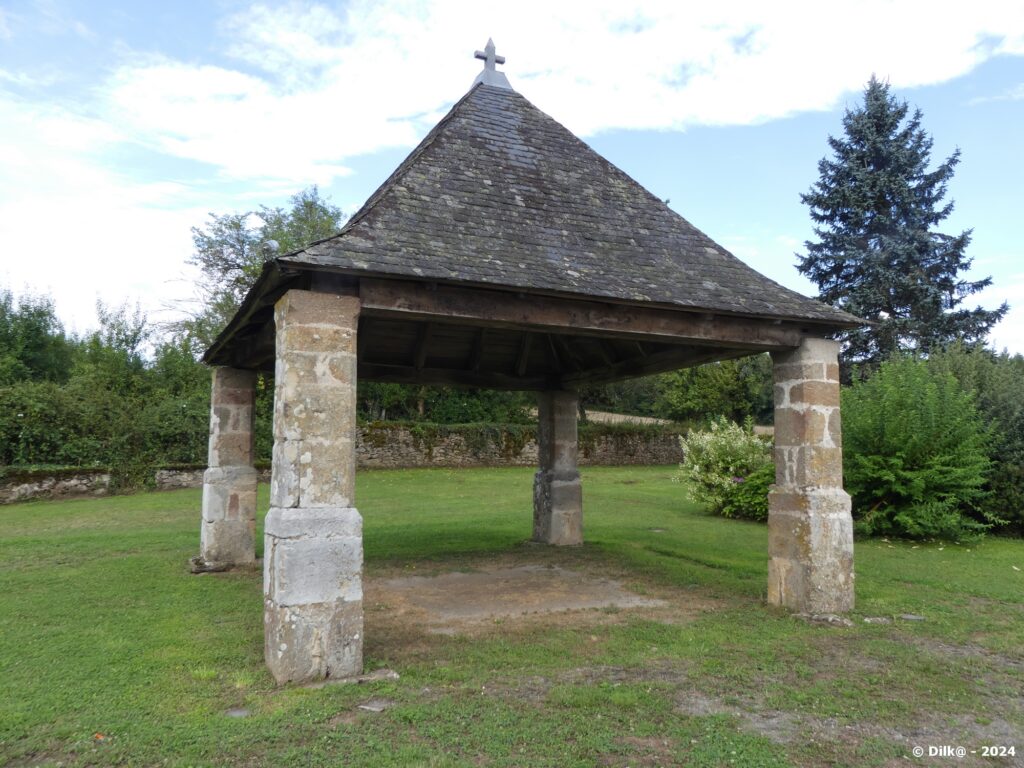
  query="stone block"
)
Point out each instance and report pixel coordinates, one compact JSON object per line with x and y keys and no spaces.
{"x":324,"y":338}
{"x":558,"y":508}
{"x":315,"y":410}
{"x":821,"y":393}
{"x":800,"y":427}
{"x":566,"y":516}
{"x":815,"y":466}
{"x":315,"y":641}
{"x":783,"y":372}
{"x":810,"y":547}
{"x":313,"y":593}
{"x":317,"y":472}
{"x":227,"y":532}
{"x":228,"y":542}
{"x":230,"y":449}
{"x":228,"y":492}
{"x":312,"y":308}
{"x":317,"y":522}
{"x":315,"y":555}
{"x":811,"y":350}
{"x":232,"y":386}
{"x":230,"y":418}
{"x":321,"y":368}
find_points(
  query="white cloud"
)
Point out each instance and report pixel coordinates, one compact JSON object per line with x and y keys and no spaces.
{"x":315,"y":86}
{"x":74,"y":229}
{"x":50,"y":19}
{"x":1011,"y":94}
{"x":303,"y":88}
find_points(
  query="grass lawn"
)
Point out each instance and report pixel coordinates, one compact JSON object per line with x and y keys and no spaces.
{"x":112,"y":653}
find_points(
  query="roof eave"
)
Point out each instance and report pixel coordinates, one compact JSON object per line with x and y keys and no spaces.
{"x":842,"y":321}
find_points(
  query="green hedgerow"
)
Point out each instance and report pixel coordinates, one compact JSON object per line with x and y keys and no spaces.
{"x":729,"y":469}
{"x":915,"y":454}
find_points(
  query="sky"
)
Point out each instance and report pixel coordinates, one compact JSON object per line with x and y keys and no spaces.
{"x":124,"y":125}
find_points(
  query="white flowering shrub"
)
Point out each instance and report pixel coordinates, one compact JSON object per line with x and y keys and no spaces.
{"x":728,"y":469}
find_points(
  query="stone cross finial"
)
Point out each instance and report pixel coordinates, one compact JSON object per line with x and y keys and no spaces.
{"x":490,"y":75}
{"x":489,"y":56}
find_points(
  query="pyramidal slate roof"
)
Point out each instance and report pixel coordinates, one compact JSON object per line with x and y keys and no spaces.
{"x":499,"y":194}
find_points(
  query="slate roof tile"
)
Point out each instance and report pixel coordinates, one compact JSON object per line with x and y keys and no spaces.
{"x":500,"y":194}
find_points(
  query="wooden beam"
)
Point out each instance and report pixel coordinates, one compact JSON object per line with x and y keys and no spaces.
{"x":500,"y":309}
{"x":554,"y":352}
{"x":478,"y":350}
{"x":422,"y":339}
{"x":566,"y":352}
{"x":523,"y":358}
{"x":606,"y":352}
{"x":406,"y":374}
{"x":252,"y":352}
{"x":331,"y":282}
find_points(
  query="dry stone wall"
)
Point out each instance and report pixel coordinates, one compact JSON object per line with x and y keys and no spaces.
{"x":38,"y":484}
{"x":397,"y":446}
{"x":389,"y":446}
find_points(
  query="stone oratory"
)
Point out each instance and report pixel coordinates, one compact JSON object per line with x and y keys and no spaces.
{"x":502,"y":253}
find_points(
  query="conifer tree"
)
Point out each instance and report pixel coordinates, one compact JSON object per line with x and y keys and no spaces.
{"x":879,"y":256}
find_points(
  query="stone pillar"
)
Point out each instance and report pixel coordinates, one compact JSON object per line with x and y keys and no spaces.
{"x":227,"y":535}
{"x":313,"y":560}
{"x":557,"y":493}
{"x":810,"y":530}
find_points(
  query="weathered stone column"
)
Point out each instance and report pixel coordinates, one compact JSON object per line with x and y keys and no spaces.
{"x":313,"y":560}
{"x":227,"y":535}
{"x":557,"y":493}
{"x":810,"y":530}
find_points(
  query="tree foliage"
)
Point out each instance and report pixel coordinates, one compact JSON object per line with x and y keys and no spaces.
{"x":997,"y":383}
{"x":915,"y":453}
{"x":123,"y":405}
{"x":33,"y":346}
{"x":734,"y":389}
{"x":641,"y":396}
{"x":231,"y":249}
{"x":879,"y":255}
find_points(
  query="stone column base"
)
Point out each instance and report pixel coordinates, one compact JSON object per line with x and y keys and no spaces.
{"x":228,"y":531}
{"x":810,"y":546}
{"x":312,"y":584}
{"x":557,"y":508}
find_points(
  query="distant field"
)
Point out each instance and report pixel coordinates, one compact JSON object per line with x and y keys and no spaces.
{"x":112,"y":653}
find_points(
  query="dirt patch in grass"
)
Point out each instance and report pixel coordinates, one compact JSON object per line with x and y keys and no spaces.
{"x":451,"y":600}
{"x":971,"y":652}
{"x":410,"y":610}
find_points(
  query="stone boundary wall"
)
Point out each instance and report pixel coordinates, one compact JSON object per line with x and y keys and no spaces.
{"x":391,"y":446}
{"x":394,"y":446}
{"x":55,"y":484}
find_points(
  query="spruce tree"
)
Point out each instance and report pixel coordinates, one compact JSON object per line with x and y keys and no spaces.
{"x":878,"y":254}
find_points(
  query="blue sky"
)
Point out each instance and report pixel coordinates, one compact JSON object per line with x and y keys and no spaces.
{"x":123,"y":124}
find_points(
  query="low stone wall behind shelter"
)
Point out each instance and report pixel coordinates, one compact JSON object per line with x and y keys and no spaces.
{"x":395,"y":446}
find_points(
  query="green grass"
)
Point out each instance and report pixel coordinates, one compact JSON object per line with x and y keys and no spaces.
{"x":112,"y":653}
